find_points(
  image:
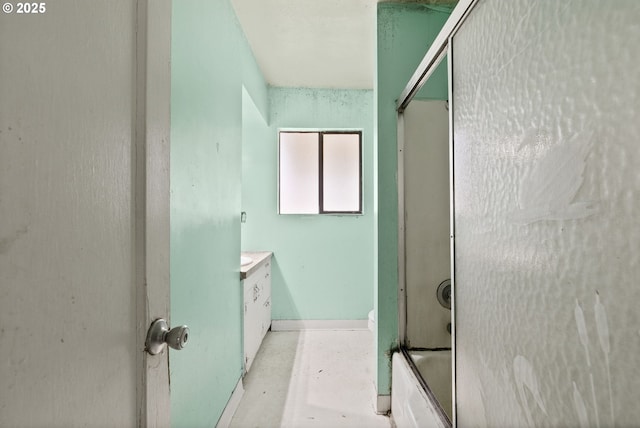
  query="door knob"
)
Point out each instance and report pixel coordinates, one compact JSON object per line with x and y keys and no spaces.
{"x":159,"y":334}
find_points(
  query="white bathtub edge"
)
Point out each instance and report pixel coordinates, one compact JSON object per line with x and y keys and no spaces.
{"x":410,"y":406}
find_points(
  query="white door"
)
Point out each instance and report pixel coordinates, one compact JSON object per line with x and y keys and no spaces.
{"x":84,"y":228}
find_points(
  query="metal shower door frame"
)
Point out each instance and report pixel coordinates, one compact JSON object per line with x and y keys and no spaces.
{"x":439,"y":49}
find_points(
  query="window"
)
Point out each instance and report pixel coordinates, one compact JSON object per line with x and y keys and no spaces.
{"x":320,"y":172}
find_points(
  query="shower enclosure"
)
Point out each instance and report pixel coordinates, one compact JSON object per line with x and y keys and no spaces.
{"x":425,"y":249}
{"x":544,"y":198}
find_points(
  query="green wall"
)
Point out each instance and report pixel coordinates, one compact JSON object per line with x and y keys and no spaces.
{"x":323,"y":266}
{"x":211,"y":61}
{"x":405,"y":32}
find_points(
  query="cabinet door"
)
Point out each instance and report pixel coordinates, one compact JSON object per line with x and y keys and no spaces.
{"x":265,"y":309}
{"x":257,"y":311}
{"x":266,"y":280}
{"x":251,"y":319}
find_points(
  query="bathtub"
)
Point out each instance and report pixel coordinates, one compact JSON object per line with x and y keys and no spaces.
{"x":411,"y":404}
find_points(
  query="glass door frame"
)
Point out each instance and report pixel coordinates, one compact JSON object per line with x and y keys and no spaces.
{"x":439,"y":49}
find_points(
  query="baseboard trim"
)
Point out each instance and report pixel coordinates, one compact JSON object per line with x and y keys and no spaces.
{"x":295,"y":325}
{"x":231,"y":407}
{"x":383,"y":404}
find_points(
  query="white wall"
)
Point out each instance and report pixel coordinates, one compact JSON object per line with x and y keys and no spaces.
{"x":426,"y":196}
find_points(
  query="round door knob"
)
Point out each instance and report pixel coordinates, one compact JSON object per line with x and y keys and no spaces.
{"x":177,"y":337}
{"x":159,"y":334}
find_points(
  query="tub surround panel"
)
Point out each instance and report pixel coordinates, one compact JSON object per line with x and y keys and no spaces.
{"x":426,"y":206}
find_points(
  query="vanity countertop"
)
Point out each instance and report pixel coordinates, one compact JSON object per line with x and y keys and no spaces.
{"x":259,"y":257}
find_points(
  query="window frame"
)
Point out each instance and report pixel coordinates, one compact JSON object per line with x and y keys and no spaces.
{"x":320,"y":189}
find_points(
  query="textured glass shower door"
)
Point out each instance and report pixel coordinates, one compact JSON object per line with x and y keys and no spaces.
{"x":546,"y":145}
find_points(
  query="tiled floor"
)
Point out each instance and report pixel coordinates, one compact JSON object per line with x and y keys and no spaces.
{"x":311,"y":378}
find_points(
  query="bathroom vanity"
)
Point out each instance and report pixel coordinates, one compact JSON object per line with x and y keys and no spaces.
{"x":256,"y":283}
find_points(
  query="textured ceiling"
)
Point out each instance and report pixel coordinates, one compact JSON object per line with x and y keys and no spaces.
{"x":314,"y":43}
{"x":311,"y":43}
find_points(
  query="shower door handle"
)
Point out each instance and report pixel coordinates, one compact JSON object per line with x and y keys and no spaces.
{"x":159,"y":334}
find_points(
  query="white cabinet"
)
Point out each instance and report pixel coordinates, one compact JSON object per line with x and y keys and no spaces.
{"x":257,"y":308}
